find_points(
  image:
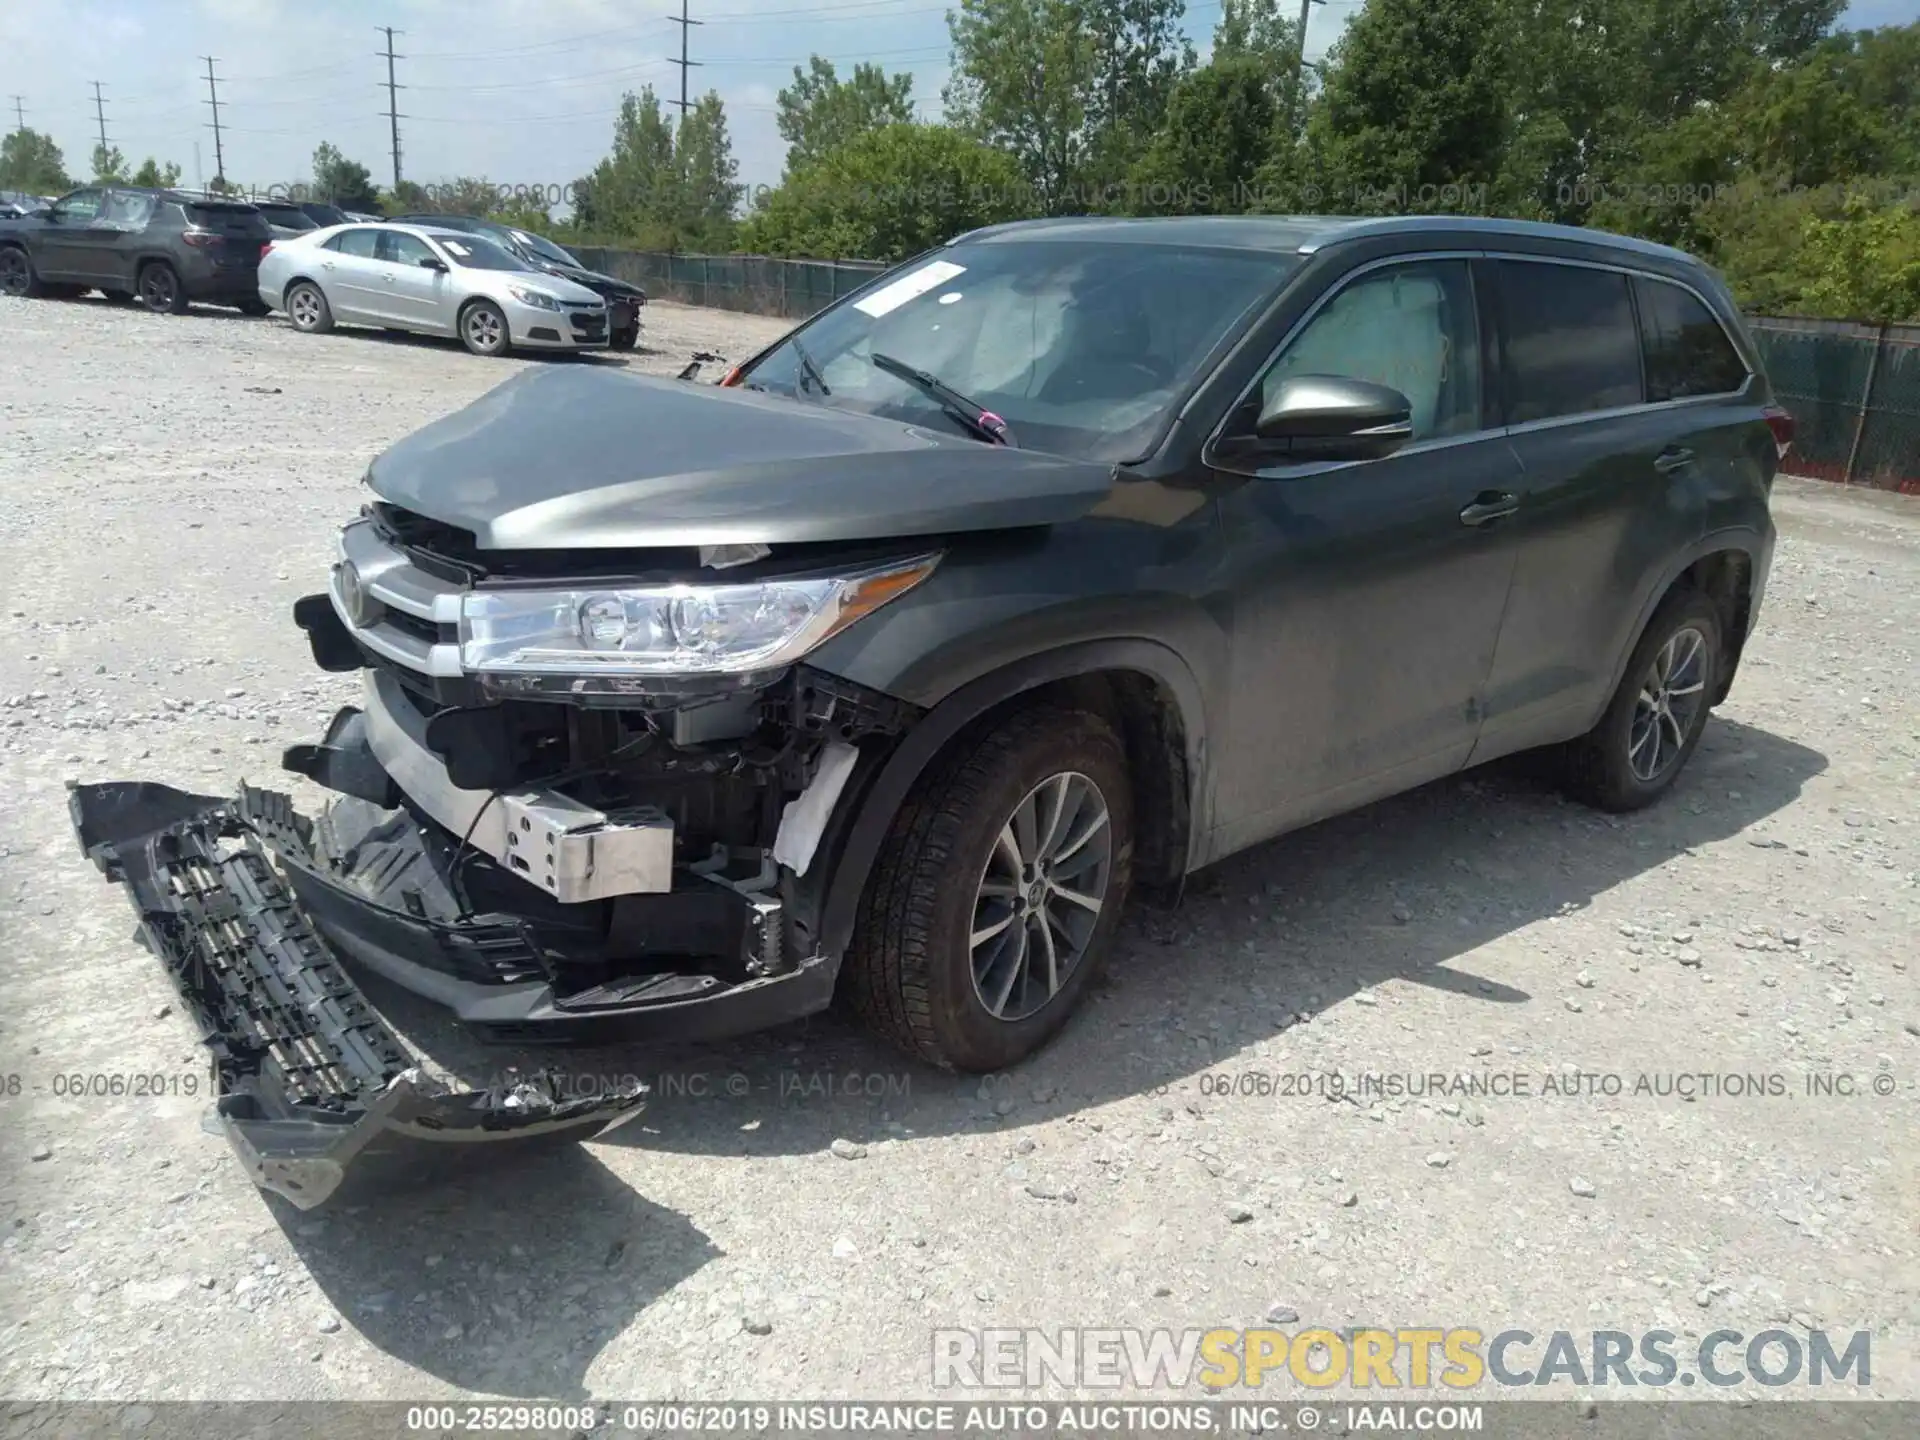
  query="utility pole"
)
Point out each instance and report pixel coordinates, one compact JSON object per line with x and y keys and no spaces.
{"x":20,"y":112}
{"x":393,"y":108}
{"x":1300,"y":60}
{"x":683,"y":62}
{"x":213,"y":99}
{"x":100,"y":114}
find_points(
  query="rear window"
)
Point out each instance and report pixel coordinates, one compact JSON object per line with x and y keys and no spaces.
{"x":290,"y":216}
{"x":226,"y":217}
{"x":1687,"y":351}
{"x":1571,"y":343}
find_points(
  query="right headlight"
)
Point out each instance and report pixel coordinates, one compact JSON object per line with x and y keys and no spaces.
{"x":631,"y":631}
{"x":538,"y":299}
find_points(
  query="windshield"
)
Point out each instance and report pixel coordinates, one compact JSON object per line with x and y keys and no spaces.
{"x":546,"y":249}
{"x":1082,"y":348}
{"x":475,"y":253}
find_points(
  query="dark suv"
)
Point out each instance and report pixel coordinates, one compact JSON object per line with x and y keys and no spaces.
{"x":624,"y":299}
{"x":162,"y":246}
{"x":1068,"y":558}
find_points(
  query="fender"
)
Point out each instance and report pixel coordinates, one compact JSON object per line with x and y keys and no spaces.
{"x":869,"y":814}
{"x":1757,"y":547}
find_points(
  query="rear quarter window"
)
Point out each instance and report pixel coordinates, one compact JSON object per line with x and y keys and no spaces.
{"x":1571,"y":345}
{"x":1687,"y":349}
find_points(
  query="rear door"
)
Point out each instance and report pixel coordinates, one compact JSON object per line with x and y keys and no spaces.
{"x":118,"y":233}
{"x":1610,"y":488}
{"x":350,"y":273}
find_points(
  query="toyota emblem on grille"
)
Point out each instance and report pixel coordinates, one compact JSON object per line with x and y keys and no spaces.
{"x":361,"y":607}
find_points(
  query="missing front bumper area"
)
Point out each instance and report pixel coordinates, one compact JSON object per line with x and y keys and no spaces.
{"x":309,"y":1079}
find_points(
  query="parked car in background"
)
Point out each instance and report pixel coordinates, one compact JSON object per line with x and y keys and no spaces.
{"x":286,"y":218}
{"x":410,"y":277}
{"x":15,"y":204}
{"x":166,"y":248}
{"x":624,"y":299}
{"x":1071,"y":556}
{"x":321,"y":213}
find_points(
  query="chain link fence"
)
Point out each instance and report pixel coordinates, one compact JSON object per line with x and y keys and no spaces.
{"x":1854,"y":391}
{"x":759,"y":284}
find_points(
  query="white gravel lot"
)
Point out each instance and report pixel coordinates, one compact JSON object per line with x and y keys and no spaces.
{"x":168,"y":487}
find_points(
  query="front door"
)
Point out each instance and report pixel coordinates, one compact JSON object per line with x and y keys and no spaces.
{"x":1367,"y":597}
{"x":417,"y":294}
{"x":64,"y":252}
{"x":114,"y":238}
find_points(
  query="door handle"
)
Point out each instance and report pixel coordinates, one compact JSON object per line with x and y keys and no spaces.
{"x":1674,"y":457}
{"x":1488,"y":506}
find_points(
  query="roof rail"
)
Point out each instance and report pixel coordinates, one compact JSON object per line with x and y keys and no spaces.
{"x":1488,"y":225}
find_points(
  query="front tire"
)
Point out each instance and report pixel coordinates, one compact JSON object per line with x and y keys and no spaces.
{"x":998,"y":892}
{"x":307,"y":308}
{"x":1656,"y":717}
{"x":483,"y":329}
{"x":160,"y":289}
{"x":17,"y":277}
{"x":624,"y":339}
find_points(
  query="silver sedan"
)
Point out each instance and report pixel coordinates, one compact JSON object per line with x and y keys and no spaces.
{"x":412,"y":277}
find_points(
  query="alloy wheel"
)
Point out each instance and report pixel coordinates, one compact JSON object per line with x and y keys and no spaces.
{"x":1669,"y":703}
{"x":156,"y":287}
{"x":484,"y":329}
{"x":304,"y":307}
{"x":14,"y":274}
{"x":1040,"y":895}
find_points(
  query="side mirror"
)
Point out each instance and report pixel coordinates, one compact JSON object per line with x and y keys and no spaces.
{"x":434,"y":262}
{"x":1332,"y":417}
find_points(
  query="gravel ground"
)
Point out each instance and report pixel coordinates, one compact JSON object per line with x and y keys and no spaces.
{"x":168,"y":487}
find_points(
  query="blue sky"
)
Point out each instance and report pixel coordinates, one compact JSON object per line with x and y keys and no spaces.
{"x":520,"y":91}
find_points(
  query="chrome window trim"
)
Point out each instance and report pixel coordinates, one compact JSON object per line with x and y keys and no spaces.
{"x":1209,"y":452}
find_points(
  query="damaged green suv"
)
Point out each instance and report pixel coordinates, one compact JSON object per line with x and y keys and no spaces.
{"x":1061,"y":561}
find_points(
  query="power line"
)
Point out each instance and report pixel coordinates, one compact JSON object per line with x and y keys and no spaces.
{"x":213,"y":99}
{"x":686,"y":29}
{"x":393,"y":107}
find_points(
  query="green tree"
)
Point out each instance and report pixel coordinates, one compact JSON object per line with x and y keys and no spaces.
{"x":1414,"y":110}
{"x":343,"y":182}
{"x":108,"y":164}
{"x":31,"y":162}
{"x":1139,"y":56}
{"x":663,"y":187}
{"x":1219,"y":130}
{"x":820,"y":111}
{"x":1023,"y":72}
{"x":1865,"y":264}
{"x":887,"y":194}
{"x":1260,"y":28}
{"x":156,"y":176}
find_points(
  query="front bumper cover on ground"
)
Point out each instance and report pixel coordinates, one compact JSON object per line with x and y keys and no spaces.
{"x":308,"y":1078}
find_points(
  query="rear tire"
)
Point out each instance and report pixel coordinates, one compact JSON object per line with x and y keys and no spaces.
{"x":307,"y":308}
{"x":483,"y":329}
{"x":950,"y":876}
{"x":1656,"y":717}
{"x":17,"y":276}
{"x":160,"y":289}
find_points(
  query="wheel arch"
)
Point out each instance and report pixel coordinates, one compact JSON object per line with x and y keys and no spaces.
{"x":1730,"y":566}
{"x":1145,"y":688}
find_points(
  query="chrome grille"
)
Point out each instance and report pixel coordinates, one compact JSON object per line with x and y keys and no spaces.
{"x":389,"y":603}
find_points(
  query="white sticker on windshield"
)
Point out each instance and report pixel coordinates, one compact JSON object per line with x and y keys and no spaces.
{"x":892,"y":297}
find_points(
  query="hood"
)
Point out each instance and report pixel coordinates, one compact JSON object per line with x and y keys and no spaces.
{"x":604,"y":459}
{"x":558,"y":286}
{"x":594,"y":280}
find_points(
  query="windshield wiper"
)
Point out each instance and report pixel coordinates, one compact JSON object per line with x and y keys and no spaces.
{"x":981,"y":422}
{"x":809,"y":370}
